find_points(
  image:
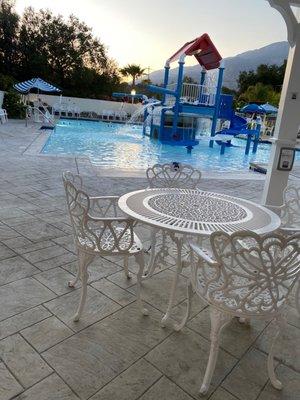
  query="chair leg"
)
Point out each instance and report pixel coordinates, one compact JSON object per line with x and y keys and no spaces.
{"x":127,"y":273}
{"x":218,"y":321}
{"x":139,"y":257}
{"x":297,"y":297}
{"x":190,"y":295}
{"x":271,"y":370}
{"x":151,"y":265}
{"x":179,"y":244}
{"x":84,"y":261}
{"x":72,"y":283}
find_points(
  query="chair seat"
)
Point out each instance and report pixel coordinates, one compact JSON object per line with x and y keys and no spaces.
{"x":244,"y":298}
{"x":107,"y":241}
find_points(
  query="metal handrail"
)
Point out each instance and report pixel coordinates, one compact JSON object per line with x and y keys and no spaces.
{"x":29,"y":114}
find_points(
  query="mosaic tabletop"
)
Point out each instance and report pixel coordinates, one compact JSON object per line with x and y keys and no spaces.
{"x":197,"y":212}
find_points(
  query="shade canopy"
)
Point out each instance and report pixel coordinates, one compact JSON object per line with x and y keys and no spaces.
{"x":253,"y":108}
{"x":36,"y":83}
{"x":203,"y":49}
{"x":269,"y":109}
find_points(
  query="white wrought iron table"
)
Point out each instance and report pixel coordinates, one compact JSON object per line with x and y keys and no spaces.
{"x":188,"y":212}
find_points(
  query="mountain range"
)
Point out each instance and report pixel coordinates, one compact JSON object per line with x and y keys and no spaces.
{"x":274,"y":53}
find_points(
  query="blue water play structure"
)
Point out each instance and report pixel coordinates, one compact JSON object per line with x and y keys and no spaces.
{"x":175,"y":120}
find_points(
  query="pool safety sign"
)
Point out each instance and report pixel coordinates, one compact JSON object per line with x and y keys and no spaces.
{"x":286,"y":159}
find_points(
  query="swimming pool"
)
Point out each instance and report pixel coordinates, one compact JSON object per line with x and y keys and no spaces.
{"x":118,"y":146}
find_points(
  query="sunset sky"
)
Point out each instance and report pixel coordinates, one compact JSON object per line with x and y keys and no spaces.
{"x":148,"y":32}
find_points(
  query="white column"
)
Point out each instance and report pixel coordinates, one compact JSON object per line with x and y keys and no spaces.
{"x":287,"y":126}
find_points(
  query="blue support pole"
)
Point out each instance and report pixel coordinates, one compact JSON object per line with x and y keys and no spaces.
{"x":145,"y":117}
{"x":202,"y":80}
{"x":166,"y":80}
{"x":162,"y":124}
{"x":217,"y":105}
{"x":256,"y":139}
{"x":223,"y":146}
{"x":178,"y":94}
{"x":248,"y":144}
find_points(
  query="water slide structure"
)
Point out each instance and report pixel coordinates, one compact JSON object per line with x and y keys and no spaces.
{"x":175,"y":120}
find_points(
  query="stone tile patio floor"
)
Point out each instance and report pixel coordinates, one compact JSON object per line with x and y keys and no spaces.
{"x":113,"y":352}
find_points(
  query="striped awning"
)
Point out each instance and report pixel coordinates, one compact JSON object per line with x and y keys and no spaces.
{"x":36,"y":83}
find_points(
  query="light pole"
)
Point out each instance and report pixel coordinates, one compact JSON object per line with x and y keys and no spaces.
{"x":133,"y":93}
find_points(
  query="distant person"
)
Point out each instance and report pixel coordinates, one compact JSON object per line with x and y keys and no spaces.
{"x":253,"y":121}
{"x":258,"y":120}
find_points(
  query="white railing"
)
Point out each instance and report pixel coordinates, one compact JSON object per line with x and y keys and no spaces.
{"x":35,"y":114}
{"x":198,"y":94}
{"x":193,"y":93}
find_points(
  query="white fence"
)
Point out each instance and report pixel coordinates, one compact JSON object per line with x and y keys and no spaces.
{"x":87,"y":105}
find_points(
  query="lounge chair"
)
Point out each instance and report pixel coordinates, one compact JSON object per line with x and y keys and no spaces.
{"x":3,"y":115}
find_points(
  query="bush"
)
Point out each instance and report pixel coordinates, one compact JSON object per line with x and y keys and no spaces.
{"x":13,"y":105}
{"x":6,"y":82}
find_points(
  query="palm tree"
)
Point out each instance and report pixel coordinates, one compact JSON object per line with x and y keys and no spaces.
{"x":133,"y":70}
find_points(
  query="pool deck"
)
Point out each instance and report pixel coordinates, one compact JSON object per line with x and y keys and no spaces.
{"x":113,"y":353}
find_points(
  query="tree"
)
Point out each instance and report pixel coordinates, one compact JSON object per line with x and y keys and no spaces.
{"x":9,"y":21}
{"x":227,"y":90}
{"x":263,"y":85}
{"x":188,"y":79}
{"x":51,"y":46}
{"x":272,"y":75}
{"x":13,"y":104}
{"x":6,"y":82}
{"x":245,"y":80}
{"x":260,"y":93}
{"x":134,"y":71}
{"x":62,"y":51}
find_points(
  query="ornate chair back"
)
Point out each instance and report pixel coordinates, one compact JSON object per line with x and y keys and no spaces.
{"x":290,"y":212}
{"x":78,"y":203}
{"x":94,"y":227}
{"x":173,"y":175}
{"x":255,"y":279}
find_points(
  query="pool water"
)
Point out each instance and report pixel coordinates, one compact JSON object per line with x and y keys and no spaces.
{"x":113,"y":145}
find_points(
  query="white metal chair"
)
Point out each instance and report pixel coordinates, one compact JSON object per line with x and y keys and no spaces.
{"x":173,"y":175}
{"x":123,"y":115}
{"x":290,"y":210}
{"x":245,"y":282}
{"x":107,"y":115}
{"x":3,"y":116}
{"x":170,"y":175}
{"x":100,"y":231}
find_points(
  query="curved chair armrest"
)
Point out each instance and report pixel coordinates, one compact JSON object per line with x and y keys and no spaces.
{"x":103,"y":205}
{"x":205,"y":257}
{"x":276,"y":209}
{"x":111,"y":219}
{"x":92,"y":198}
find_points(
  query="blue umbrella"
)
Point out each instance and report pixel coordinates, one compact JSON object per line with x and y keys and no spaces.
{"x":253,"y":108}
{"x":36,"y":83}
{"x":270,"y":109}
